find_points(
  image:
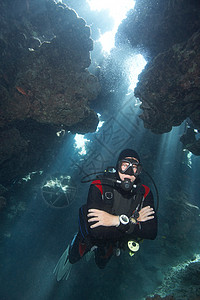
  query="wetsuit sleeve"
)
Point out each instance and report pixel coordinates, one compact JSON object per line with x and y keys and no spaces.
{"x":144,"y":230}
{"x":101,"y":232}
{"x":147,"y":229}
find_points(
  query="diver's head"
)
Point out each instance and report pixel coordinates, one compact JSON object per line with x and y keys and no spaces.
{"x":128,"y":167}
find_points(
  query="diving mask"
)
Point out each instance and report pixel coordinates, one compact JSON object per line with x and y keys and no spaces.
{"x":130,"y":167}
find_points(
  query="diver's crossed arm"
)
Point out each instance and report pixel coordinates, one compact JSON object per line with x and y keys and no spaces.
{"x":102,"y":218}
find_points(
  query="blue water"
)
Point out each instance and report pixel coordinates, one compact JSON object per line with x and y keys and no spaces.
{"x":34,"y":238}
{"x":35,"y":233}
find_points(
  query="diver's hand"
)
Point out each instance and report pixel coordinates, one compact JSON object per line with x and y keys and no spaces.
{"x":102,"y":218}
{"x":145,"y":214}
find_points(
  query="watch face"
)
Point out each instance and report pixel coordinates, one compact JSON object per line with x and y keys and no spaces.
{"x":124,"y":219}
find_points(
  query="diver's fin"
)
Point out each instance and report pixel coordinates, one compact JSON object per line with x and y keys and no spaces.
{"x":63,"y":267}
{"x":90,"y":253}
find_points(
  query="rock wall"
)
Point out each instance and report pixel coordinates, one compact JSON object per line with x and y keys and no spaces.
{"x":44,"y":82}
{"x":167,"y":34}
{"x":169,"y":88}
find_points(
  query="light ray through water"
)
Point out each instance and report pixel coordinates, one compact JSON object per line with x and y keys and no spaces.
{"x":117,"y":10}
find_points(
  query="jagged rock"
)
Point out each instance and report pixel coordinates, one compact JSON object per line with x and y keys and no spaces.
{"x":169,"y":87}
{"x":44,"y":81}
{"x":12,"y":144}
{"x":167,"y":34}
{"x":191,"y":275}
{"x":155,"y":26}
{"x":51,"y":84}
{"x":182,"y":282}
{"x":190,"y":142}
{"x":25,"y":148}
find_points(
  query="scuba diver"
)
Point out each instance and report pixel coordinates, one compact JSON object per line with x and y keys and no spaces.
{"x":119,"y":213}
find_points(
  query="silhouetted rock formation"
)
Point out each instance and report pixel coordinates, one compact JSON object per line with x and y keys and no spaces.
{"x":169,"y":88}
{"x":44,"y":55}
{"x":167,"y":34}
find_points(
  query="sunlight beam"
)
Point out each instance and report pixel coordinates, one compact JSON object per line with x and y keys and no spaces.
{"x":135,"y":64}
{"x":117,"y":11}
{"x":80,"y":143}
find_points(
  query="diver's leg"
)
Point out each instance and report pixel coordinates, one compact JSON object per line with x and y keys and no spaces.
{"x":77,"y":248}
{"x":103,"y":254}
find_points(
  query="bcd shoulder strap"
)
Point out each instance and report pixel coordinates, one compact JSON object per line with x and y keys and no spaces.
{"x":139,"y":196}
{"x":141,"y":193}
{"x":107,"y":191}
{"x":105,"y":185}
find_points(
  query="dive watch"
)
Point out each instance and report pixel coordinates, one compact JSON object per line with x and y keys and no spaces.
{"x":124,"y":219}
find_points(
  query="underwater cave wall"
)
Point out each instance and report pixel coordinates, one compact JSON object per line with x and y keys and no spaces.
{"x":167,"y":34}
{"x":44,"y":82}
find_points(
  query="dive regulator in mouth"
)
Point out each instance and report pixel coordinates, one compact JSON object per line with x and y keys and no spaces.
{"x":127,"y":185}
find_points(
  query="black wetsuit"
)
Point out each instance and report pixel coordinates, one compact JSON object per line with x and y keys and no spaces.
{"x":105,"y":238}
